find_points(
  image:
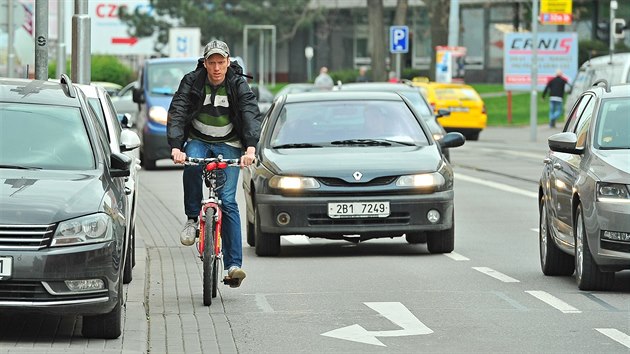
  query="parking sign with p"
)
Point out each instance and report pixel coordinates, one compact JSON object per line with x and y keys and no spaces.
{"x":399,"y":39}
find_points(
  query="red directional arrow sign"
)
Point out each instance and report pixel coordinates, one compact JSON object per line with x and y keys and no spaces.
{"x":124,"y":40}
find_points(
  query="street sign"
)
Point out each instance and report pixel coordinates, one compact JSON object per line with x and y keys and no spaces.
{"x":556,"y":12}
{"x":398,"y":39}
{"x":184,"y":42}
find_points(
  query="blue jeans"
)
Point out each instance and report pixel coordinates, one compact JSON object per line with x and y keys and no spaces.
{"x":555,"y":111}
{"x":193,"y":194}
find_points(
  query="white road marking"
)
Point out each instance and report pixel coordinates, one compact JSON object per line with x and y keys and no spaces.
{"x":297,"y":239}
{"x":456,"y":256}
{"x":615,"y":335}
{"x":540,"y":156}
{"x":495,"y":185}
{"x":263,"y":304}
{"x":393,"y":311}
{"x":553,"y":301}
{"x":497,"y":275}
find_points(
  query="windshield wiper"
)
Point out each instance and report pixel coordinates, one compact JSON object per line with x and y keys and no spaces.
{"x":369,"y":142}
{"x":296,"y":145}
{"x":18,"y":167}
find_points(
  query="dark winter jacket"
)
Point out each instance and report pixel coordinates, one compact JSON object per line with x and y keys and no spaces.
{"x":188,"y":101}
{"x":555,"y":87}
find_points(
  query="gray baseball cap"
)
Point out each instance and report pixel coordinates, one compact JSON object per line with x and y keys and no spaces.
{"x":216,"y":47}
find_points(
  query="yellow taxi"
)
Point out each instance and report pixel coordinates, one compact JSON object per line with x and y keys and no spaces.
{"x":468,"y":112}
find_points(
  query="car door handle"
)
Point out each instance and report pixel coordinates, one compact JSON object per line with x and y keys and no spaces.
{"x":557,"y":166}
{"x":547,"y":161}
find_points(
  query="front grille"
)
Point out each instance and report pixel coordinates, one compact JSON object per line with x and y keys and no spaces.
{"x":338,"y":182}
{"x":392,"y":219}
{"x":615,"y":246}
{"x":25,"y":237}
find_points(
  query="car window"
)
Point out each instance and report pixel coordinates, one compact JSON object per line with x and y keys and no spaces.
{"x":583,"y":123}
{"x":418,"y":103}
{"x":114,"y":121}
{"x":613,"y":126}
{"x":30,"y":136}
{"x":324,"y":122}
{"x":97,"y":108}
{"x":578,"y":108}
{"x":164,"y":78}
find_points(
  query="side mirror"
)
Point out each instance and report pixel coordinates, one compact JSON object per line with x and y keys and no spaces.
{"x":443,"y":113}
{"x":125,"y":120}
{"x":129,"y":140}
{"x":451,"y":140}
{"x":137,"y":95}
{"x":564,"y":142}
{"x":120,"y":165}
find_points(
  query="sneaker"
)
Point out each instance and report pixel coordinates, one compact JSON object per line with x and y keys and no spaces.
{"x":235,"y":272}
{"x":188,"y":234}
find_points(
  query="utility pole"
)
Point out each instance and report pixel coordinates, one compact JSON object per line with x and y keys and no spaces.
{"x":453,"y":24}
{"x":41,"y":39}
{"x":61,"y":41}
{"x":611,"y":35}
{"x":81,"y":45}
{"x":533,"y":106}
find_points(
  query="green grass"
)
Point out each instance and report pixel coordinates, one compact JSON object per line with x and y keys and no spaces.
{"x":497,"y":106}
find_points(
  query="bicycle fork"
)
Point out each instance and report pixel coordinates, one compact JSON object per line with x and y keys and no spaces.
{"x":201,"y":243}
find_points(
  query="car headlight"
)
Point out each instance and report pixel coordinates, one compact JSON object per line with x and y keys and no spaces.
{"x":83,"y":230}
{"x":158,"y":114}
{"x":613,"y":192}
{"x":293,"y":183}
{"x":425,"y":180}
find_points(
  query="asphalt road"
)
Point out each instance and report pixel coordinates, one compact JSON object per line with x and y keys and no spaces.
{"x":322,"y":296}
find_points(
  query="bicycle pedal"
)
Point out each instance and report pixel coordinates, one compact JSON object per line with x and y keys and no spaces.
{"x":231,"y":281}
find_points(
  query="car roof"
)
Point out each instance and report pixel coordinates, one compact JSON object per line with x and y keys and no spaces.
{"x":36,"y":91}
{"x":92,"y":91}
{"x":173,"y":60}
{"x":380,"y":86}
{"x":616,"y":91}
{"x":342,"y":96}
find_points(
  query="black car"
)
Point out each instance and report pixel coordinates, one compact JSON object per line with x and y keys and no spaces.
{"x":414,"y":95}
{"x":334,"y":164}
{"x":62,"y":207}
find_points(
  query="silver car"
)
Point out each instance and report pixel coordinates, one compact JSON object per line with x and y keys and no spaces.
{"x":584,"y":193}
{"x":121,"y":140}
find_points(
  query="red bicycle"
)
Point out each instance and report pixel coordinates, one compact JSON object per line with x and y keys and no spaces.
{"x":209,"y":224}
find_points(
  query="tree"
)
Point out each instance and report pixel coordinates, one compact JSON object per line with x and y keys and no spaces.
{"x":221,"y":19}
{"x":377,"y":36}
{"x":439,"y":11}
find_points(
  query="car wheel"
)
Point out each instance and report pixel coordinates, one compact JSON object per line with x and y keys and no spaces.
{"x":442,"y":241}
{"x":128,"y":269}
{"x":105,"y":326}
{"x":266,"y":244}
{"x":587,"y":273}
{"x":552,"y":260}
{"x":416,"y":237}
{"x":251,"y":234}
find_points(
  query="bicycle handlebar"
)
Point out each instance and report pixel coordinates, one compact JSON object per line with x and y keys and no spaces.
{"x":207,"y":160}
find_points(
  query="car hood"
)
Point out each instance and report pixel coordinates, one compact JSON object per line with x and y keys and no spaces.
{"x":44,"y":196}
{"x":343,"y":162}
{"x":612,"y":165}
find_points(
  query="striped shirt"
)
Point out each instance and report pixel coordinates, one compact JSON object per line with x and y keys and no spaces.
{"x":213,"y":124}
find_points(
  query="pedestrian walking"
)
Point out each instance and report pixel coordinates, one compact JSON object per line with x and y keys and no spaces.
{"x":555,"y":87}
{"x":323,"y":80}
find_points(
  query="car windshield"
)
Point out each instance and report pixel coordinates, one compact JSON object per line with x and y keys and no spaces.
{"x":456,"y":94}
{"x":164,"y":78}
{"x":352,"y":122}
{"x":612,"y":130}
{"x":418,"y":103}
{"x":44,"y":136}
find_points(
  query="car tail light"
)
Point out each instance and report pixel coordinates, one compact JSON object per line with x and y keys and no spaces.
{"x":483,"y":109}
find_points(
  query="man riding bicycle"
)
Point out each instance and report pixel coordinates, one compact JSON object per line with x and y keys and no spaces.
{"x":214,"y":112}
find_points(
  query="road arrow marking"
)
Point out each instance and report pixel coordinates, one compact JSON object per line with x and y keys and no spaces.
{"x":393,"y":311}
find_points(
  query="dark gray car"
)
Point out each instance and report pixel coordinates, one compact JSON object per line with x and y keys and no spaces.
{"x":584,"y":192}
{"x":63,"y":207}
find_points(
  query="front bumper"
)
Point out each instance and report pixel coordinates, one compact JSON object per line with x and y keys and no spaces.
{"x":609,"y":254}
{"x":37,"y":279}
{"x":154,"y":144}
{"x":309,"y":216}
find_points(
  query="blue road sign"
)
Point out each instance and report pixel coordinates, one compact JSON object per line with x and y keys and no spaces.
{"x":398,"y":39}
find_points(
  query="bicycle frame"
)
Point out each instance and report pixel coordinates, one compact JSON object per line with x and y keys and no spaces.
{"x":218,"y":216}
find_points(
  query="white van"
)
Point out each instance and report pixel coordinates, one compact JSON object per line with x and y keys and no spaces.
{"x":617,"y":72}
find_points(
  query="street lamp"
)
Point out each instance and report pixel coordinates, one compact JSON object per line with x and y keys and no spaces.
{"x":308,"y":53}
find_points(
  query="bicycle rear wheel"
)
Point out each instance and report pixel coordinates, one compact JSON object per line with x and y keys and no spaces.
{"x":209,"y":259}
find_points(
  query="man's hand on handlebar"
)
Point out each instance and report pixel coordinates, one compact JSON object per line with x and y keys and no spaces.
{"x":178,"y":156}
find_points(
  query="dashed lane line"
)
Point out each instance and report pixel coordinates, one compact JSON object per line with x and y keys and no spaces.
{"x":497,"y":275}
{"x":553,"y":301}
{"x":495,"y":185}
{"x":297,"y":239}
{"x":456,"y":256}
{"x":615,"y":335}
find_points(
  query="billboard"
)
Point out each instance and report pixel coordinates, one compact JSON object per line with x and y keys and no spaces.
{"x":555,"y":51}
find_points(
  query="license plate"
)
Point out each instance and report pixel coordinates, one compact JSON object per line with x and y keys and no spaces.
{"x":359,"y":209}
{"x":458,"y":109}
{"x":6,"y":266}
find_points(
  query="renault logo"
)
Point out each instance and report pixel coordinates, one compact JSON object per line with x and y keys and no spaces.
{"x":357,"y":176}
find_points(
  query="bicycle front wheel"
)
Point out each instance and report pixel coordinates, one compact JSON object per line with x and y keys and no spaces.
{"x":209,"y":259}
